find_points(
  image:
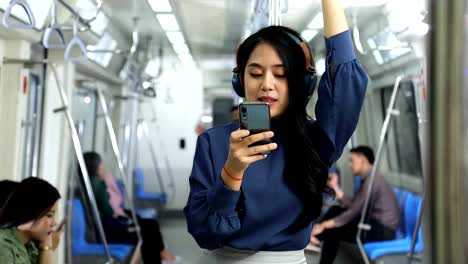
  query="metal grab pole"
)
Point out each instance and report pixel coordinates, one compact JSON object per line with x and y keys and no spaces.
{"x":422,"y":142}
{"x":115,"y":148}
{"x":81,"y":163}
{"x":166,"y":158}
{"x":144,"y":128}
{"x":416,"y":229}
{"x":383,"y":134}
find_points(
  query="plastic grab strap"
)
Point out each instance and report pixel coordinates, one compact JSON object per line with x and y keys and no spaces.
{"x":76,"y":41}
{"x":54,"y":27}
{"x":27,"y":9}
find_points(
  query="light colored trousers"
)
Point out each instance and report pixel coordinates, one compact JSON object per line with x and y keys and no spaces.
{"x":234,"y":256}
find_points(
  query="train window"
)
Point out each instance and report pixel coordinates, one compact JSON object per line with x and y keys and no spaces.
{"x":403,"y":148}
{"x":384,"y":41}
{"x":87,"y":9}
{"x":105,"y":43}
{"x":40,"y":10}
{"x":31,"y":128}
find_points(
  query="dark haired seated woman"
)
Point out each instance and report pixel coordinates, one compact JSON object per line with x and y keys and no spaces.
{"x":117,"y":224}
{"x":26,"y":222}
{"x":246,"y":207}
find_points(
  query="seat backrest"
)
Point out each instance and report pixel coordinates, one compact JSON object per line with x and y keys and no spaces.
{"x":401,"y":196}
{"x":412,"y":207}
{"x":78,"y":223}
{"x":356,"y":184}
{"x":140,"y":179}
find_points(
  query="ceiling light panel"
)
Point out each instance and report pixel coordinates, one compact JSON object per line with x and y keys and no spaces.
{"x":160,"y":6}
{"x":168,"y":22}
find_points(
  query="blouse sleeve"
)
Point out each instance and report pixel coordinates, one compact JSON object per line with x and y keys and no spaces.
{"x":211,"y":209}
{"x":341,"y":94}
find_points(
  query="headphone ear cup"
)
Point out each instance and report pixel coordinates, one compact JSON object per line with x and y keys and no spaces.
{"x":310,"y":82}
{"x":236,"y":84}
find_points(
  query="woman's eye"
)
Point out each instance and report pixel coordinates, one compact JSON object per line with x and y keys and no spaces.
{"x":280,"y":76}
{"x":255,"y":75}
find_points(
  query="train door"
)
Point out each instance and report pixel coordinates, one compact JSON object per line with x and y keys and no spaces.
{"x":31,"y":127}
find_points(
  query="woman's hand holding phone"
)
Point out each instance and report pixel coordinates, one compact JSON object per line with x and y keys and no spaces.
{"x":241,"y":155}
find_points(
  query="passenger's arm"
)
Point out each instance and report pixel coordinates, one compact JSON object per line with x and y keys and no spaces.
{"x":341,"y":94}
{"x":344,"y":200}
{"x":46,"y":257}
{"x":211,"y":209}
{"x":334,"y":18}
{"x":354,"y":208}
{"x":341,"y":89}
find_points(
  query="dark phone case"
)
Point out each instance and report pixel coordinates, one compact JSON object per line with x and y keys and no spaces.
{"x":262,"y":113}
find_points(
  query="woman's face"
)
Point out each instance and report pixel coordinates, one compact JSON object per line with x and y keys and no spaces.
{"x":101,"y":171}
{"x":265,"y":79}
{"x":43,"y":227}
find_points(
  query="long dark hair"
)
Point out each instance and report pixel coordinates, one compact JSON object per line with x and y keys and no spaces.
{"x":29,"y":201}
{"x":307,"y":173}
{"x":6,"y":189}
{"x":92,"y":161}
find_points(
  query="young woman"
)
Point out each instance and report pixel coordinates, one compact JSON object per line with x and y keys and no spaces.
{"x":26,"y":222}
{"x":245,"y":207}
{"x":116,"y":222}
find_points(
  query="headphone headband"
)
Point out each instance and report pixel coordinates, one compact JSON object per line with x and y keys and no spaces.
{"x":310,"y":79}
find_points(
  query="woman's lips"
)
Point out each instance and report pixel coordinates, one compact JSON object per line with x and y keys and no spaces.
{"x":268,"y":99}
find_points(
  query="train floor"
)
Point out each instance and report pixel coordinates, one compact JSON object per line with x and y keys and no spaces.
{"x":181,"y":243}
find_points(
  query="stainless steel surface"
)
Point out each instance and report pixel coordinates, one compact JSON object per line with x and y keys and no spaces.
{"x":116,"y":151}
{"x":81,"y":163}
{"x":447,"y":185}
{"x":383,"y":134}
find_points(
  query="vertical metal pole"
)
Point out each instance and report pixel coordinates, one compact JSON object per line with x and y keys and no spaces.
{"x":163,"y":150}
{"x":115,"y":148}
{"x":447,"y":181}
{"x":144,"y":128}
{"x":383,"y":134}
{"x":81,"y":162}
{"x":422,"y":143}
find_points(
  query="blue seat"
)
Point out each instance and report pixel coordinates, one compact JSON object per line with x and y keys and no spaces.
{"x":81,"y":247}
{"x":412,"y":207}
{"x":401,"y":199}
{"x":147,"y":213}
{"x":141,"y":194}
{"x":356,"y":184}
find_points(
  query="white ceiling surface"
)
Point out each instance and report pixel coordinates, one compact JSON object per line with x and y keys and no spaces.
{"x":213,"y":28}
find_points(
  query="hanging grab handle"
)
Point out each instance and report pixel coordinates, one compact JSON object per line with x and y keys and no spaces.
{"x":27,"y":9}
{"x":76,"y":41}
{"x":54,"y":27}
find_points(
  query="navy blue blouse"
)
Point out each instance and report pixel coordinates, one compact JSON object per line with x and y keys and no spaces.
{"x":261,"y":215}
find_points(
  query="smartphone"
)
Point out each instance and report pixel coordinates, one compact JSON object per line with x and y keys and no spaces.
{"x":255,"y":117}
{"x":60,"y":224}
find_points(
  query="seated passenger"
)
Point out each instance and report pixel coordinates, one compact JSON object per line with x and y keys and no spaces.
{"x":340,"y":222}
{"x":117,"y":224}
{"x":27,"y":220}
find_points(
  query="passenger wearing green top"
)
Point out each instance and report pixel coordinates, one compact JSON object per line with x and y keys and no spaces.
{"x":27,"y":217}
{"x":118,"y":224}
